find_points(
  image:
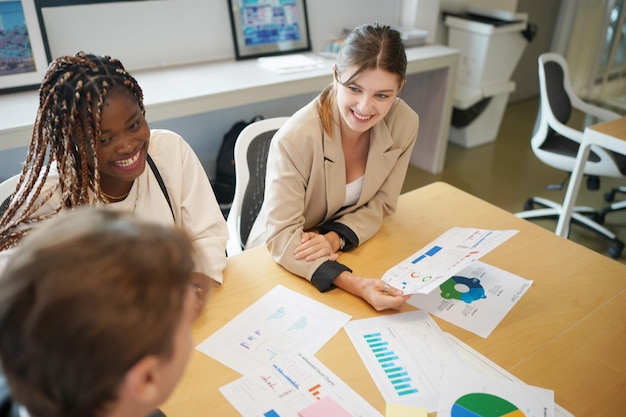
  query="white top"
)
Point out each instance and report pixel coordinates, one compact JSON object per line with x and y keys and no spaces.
{"x":353,"y":191}
{"x":195,"y":208}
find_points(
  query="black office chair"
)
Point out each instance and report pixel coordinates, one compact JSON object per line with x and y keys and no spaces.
{"x":251,"y":151}
{"x":556,"y":145}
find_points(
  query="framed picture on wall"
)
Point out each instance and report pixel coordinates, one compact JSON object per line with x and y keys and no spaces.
{"x":23,"y":57}
{"x":268,"y":27}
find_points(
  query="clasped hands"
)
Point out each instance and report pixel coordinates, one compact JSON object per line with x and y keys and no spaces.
{"x":314,"y":245}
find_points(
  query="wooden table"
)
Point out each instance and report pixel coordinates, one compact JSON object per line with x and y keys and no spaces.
{"x":567,"y":333}
{"x":610,"y":135}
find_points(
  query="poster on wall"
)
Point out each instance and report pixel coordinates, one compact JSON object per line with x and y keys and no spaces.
{"x":268,"y":27}
{"x":23,"y":58}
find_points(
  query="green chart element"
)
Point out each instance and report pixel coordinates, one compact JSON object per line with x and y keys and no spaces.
{"x":484,"y":405}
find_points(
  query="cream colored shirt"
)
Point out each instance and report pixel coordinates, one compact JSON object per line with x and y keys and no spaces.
{"x":195,"y":208}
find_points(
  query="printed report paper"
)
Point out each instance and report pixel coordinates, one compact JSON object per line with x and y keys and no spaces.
{"x":476,"y":299}
{"x":470,"y":394}
{"x":407,"y":356}
{"x":452,"y":251}
{"x":290,"y":384}
{"x":280,"y":321}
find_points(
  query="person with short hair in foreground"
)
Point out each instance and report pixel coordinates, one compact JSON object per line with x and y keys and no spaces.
{"x":96,"y":313}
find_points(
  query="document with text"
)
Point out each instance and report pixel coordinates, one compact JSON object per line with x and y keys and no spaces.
{"x":280,"y":321}
{"x":407,"y":356}
{"x":452,"y":251}
{"x":290,"y":384}
{"x":476,"y":298}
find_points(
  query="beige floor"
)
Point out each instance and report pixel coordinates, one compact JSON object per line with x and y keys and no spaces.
{"x":506,"y":173}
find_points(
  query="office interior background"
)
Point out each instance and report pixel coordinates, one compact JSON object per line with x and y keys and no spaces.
{"x":152,"y":34}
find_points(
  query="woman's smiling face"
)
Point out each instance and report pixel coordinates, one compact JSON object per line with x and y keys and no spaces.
{"x":124,"y":140}
{"x":367,"y":99}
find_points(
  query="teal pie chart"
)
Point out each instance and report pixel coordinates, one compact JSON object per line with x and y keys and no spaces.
{"x":484,"y":405}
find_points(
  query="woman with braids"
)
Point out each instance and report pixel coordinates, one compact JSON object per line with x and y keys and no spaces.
{"x":336,"y":168}
{"x":91,"y":146}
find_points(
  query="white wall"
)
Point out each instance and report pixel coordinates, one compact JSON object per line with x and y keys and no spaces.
{"x":150,"y":34}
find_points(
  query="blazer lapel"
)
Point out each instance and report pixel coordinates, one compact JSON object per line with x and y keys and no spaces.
{"x":334,"y":169}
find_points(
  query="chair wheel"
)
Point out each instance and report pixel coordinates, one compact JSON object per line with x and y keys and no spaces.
{"x":615,"y":252}
{"x":528,"y":205}
{"x":609,"y":195}
{"x":596,"y":217}
{"x":593,"y":182}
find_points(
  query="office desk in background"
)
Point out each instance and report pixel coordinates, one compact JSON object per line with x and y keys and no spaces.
{"x":610,"y":135}
{"x":200,"y":88}
{"x":566,"y":333}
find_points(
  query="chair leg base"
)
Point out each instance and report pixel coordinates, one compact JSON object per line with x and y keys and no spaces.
{"x":585,"y":217}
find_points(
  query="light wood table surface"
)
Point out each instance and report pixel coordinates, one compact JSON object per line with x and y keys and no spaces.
{"x":567,"y":333}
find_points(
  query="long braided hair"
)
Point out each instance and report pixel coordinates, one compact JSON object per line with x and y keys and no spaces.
{"x":66,"y":133}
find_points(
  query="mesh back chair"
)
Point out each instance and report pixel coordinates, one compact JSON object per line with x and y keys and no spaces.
{"x":251,"y":151}
{"x":556,"y":144}
{"x":7,"y":187}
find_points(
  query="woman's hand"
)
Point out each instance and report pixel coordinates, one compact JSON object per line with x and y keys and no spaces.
{"x":313,"y":246}
{"x":373,"y":290}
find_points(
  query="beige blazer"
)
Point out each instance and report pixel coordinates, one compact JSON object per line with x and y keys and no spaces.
{"x":306,"y":182}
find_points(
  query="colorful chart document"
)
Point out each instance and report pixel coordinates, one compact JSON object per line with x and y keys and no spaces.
{"x":473,"y":395}
{"x":407,"y":356}
{"x":280,"y":321}
{"x":476,"y":298}
{"x":290,"y":385}
{"x":454,"y":250}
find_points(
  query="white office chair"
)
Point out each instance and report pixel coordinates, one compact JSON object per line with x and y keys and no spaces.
{"x":7,"y":187}
{"x":251,"y":151}
{"x":556,"y":145}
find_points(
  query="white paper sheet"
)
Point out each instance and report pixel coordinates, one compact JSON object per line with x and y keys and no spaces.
{"x":452,"y":251}
{"x":407,"y":356}
{"x":292,"y":382}
{"x":280,"y":321}
{"x":472,"y":394}
{"x":285,"y":64}
{"x":480,"y":364}
{"x":476,"y":298}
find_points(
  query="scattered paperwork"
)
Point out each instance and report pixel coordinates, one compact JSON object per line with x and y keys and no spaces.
{"x":476,"y":299}
{"x":289,"y":385}
{"x":448,"y":254}
{"x":407,"y":356}
{"x":281,"y":321}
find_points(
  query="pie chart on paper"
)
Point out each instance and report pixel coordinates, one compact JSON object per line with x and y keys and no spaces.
{"x":484,"y":405}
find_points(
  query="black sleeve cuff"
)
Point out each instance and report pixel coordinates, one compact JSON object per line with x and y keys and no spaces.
{"x":352,"y":241}
{"x":324,"y":276}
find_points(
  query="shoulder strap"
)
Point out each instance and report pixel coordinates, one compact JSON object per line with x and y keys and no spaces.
{"x":156,"y":173}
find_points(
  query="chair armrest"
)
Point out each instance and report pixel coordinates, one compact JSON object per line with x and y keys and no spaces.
{"x":568,"y":132}
{"x":599,"y":112}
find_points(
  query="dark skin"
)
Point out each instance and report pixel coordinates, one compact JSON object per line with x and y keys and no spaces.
{"x":124,"y":140}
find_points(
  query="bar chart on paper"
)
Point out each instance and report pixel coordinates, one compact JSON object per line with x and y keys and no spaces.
{"x":407,"y":356}
{"x":390,"y":363}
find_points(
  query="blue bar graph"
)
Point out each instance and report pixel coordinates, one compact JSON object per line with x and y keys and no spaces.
{"x":431,"y":252}
{"x":386,"y":357}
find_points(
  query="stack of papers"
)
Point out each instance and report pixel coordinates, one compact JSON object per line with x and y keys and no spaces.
{"x":285,"y":64}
